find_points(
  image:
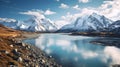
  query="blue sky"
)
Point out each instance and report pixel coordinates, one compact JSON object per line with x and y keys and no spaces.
{"x":11,"y":8}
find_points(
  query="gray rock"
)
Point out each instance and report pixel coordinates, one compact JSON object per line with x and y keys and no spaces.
{"x":26,"y":60}
{"x":4,"y":51}
{"x":19,"y":59}
{"x":15,"y":52}
{"x":12,"y":64}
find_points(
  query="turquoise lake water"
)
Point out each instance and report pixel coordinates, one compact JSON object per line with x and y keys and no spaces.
{"x":77,"y":51}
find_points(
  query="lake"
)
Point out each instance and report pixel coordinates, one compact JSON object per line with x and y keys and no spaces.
{"x":77,"y":51}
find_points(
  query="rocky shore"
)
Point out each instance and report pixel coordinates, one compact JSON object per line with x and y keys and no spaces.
{"x":14,"y":53}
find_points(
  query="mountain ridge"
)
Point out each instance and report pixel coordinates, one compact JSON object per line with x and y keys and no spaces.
{"x":87,"y":23}
{"x":34,"y":24}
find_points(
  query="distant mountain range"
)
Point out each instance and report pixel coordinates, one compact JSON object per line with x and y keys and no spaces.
{"x":92,"y":23}
{"x":34,"y":24}
{"x":87,"y":23}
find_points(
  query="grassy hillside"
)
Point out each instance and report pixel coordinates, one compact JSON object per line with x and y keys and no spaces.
{"x":8,"y":32}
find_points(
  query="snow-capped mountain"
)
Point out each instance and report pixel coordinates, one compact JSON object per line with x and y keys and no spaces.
{"x":38,"y":24}
{"x":87,"y":23}
{"x":115,"y":27}
{"x":9,"y":23}
{"x":33,"y":24}
{"x":93,"y":22}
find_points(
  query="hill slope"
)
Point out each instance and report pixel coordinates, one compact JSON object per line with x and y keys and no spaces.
{"x":6,"y":32}
{"x":14,"y":53}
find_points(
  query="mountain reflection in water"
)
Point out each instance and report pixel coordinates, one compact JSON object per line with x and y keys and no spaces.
{"x":77,"y":51}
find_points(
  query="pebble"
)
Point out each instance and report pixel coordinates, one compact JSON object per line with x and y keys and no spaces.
{"x":26,"y":60}
{"x":20,"y":59}
{"x":21,"y":44}
{"x":12,"y":64}
{"x":33,"y":57}
{"x":43,"y":61}
{"x":11,"y":45}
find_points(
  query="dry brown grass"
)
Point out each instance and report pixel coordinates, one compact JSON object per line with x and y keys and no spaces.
{"x":5,"y":42}
{"x":8,"y":32}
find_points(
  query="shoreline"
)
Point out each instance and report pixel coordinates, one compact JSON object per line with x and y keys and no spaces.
{"x":19,"y":54}
{"x":95,"y":34}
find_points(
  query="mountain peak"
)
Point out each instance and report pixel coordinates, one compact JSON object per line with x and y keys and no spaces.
{"x":35,"y":23}
{"x":93,"y":22}
{"x":95,"y":15}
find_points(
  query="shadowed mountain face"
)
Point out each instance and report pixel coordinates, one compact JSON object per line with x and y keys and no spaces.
{"x":115,"y":27}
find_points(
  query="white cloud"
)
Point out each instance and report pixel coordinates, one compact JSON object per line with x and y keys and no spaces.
{"x":63,"y":43}
{"x":111,"y":9}
{"x":7,"y":20}
{"x":34,"y":13}
{"x":57,"y":0}
{"x":49,"y":12}
{"x":113,"y":53}
{"x":64,"y":6}
{"x":60,"y":23}
{"x":85,"y":11}
{"x":69,"y":18}
{"x":108,"y":54}
{"x":89,"y":54}
{"x":83,"y":1}
{"x":38,"y":13}
{"x":69,"y":15}
{"x":76,"y":7}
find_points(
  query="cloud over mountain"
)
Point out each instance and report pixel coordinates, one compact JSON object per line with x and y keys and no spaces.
{"x":63,"y":6}
{"x":83,"y":1}
{"x":49,"y":12}
{"x":7,"y":20}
